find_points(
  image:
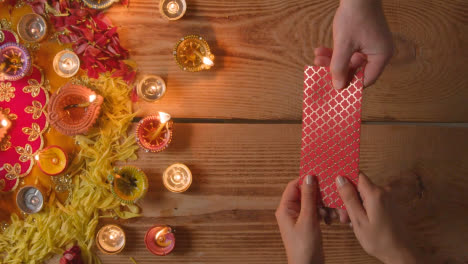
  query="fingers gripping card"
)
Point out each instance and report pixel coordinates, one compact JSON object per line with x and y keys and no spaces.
{"x":331,"y":128}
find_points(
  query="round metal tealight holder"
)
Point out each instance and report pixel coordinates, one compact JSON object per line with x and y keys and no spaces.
{"x":66,"y":63}
{"x":30,"y":200}
{"x":32,"y":28}
{"x":100,"y":236}
{"x":172,"y":9}
{"x":151,"y":88}
{"x":99,"y":4}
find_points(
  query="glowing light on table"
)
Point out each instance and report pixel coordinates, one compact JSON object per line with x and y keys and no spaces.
{"x":177,"y":178}
{"x":111,"y":239}
{"x":66,"y":63}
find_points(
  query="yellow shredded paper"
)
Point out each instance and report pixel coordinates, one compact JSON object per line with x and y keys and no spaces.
{"x":59,"y":226}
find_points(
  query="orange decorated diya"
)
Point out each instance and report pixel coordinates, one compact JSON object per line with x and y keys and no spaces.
{"x":74,"y":109}
{"x":154,"y":133}
{"x":5,"y":125}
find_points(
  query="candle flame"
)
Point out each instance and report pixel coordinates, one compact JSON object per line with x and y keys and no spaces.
{"x":208,"y":61}
{"x":4,"y":122}
{"x":92,"y":98}
{"x":164,"y":117}
{"x":36,"y":157}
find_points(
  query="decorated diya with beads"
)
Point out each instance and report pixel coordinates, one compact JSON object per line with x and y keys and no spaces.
{"x":154,"y":133}
{"x":74,"y":109}
{"x":15,"y":62}
{"x":128,"y":184}
{"x":99,"y":4}
{"x":192,"y":53}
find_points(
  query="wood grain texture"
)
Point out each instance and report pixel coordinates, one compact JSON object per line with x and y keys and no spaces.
{"x":240,"y":171}
{"x":261,"y":49}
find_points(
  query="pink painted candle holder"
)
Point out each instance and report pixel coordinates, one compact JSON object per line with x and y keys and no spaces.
{"x":147,"y":133}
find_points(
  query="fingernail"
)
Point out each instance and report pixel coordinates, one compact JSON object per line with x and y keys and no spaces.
{"x":341,"y":181}
{"x":338,"y":84}
{"x":309,"y":179}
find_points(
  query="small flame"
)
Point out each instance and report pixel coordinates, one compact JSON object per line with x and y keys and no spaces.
{"x":164,"y":117}
{"x":92,"y":98}
{"x":36,"y":157}
{"x":4,"y":123}
{"x":208,"y":61}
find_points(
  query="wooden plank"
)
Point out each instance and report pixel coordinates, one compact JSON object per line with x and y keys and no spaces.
{"x":240,"y":171}
{"x":263,"y":46}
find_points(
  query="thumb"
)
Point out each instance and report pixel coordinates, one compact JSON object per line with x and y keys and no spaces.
{"x":308,"y":200}
{"x":339,"y":65}
{"x":374,"y":67}
{"x":348,"y":193}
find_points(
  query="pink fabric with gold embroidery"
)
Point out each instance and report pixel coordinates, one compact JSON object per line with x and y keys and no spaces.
{"x":331,"y":128}
{"x":23,"y":102}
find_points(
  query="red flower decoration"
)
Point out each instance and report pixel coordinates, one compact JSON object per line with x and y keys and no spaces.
{"x":72,"y":256}
{"x":95,"y":40}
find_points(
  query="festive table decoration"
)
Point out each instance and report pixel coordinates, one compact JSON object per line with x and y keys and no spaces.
{"x":52,"y":160}
{"x":172,"y":9}
{"x":154,"y":133}
{"x":22,"y":102}
{"x":128,"y":184}
{"x":193,"y":54}
{"x":15,"y":62}
{"x":151,"y":88}
{"x":32,"y":28}
{"x":177,"y":178}
{"x":74,"y":109}
{"x":160,"y":240}
{"x":110,"y":239}
{"x":30,"y":199}
{"x":66,"y":63}
{"x":94,"y":39}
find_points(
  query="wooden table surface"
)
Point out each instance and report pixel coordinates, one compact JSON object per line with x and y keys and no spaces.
{"x":238,"y":126}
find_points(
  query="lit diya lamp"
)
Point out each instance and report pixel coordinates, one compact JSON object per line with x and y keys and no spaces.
{"x":193,"y":54}
{"x":172,"y":9}
{"x":154,"y":133}
{"x":29,"y":200}
{"x":52,"y":160}
{"x":128,"y":184}
{"x":74,"y":109}
{"x":177,"y":178}
{"x":160,"y":240}
{"x":151,"y":88}
{"x":5,"y":125}
{"x":66,"y":63}
{"x":32,"y":27}
{"x":99,"y":4}
{"x":110,"y":239}
{"x":15,"y":62}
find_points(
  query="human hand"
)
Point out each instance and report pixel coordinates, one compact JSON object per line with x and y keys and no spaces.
{"x":376,"y":222}
{"x":360,"y":26}
{"x":299,"y":223}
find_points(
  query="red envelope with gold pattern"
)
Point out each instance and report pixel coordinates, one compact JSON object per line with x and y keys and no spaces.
{"x":331,"y":128}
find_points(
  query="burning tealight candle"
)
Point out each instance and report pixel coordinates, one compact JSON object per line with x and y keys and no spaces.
{"x":5,"y":125}
{"x":154,"y":133}
{"x":177,"y":178}
{"x":151,"y":88}
{"x":30,"y":200}
{"x":32,"y":27}
{"x":160,"y":240}
{"x":110,"y":239}
{"x":193,"y":54}
{"x":52,"y":160}
{"x":172,"y":9}
{"x":66,"y":63}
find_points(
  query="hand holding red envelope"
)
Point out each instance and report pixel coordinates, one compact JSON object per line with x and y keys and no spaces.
{"x":331,"y":128}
